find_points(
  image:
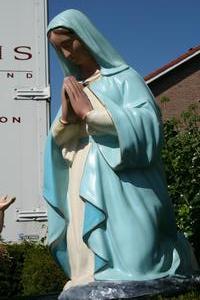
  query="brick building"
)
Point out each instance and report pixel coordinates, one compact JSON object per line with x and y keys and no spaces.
{"x":179,"y":81}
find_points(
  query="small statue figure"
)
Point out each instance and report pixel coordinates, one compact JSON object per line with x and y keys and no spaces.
{"x":110,"y":216}
{"x":5,"y":202}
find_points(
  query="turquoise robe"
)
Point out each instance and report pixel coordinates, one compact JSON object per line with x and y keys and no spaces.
{"x":129,"y":223}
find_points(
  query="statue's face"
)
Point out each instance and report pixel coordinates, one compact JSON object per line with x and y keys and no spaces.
{"x":70,"y":45}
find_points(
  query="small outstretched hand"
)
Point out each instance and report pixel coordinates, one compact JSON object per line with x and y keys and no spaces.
{"x":78,"y":99}
{"x":5,"y":202}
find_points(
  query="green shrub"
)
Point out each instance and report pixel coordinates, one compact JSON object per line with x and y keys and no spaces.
{"x":27,"y":269}
{"x":11,"y":261}
{"x":5,"y":271}
{"x":40,"y":273}
{"x":181,"y":156}
{"x":17,"y":253}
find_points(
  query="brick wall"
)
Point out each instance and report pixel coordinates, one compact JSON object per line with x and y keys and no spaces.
{"x":181,"y":85}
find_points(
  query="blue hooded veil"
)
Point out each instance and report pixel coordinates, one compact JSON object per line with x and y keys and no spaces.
{"x":129,"y":223}
{"x":107,"y":58}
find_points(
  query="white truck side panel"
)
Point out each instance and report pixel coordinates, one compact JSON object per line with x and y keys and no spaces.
{"x":24,"y":114}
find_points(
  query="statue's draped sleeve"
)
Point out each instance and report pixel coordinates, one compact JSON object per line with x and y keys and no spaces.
{"x":137,"y":121}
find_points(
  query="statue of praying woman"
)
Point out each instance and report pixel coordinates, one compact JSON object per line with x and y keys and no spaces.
{"x":109,"y":213}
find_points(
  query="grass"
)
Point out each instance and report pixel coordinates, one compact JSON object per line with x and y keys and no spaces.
{"x":194,"y":295}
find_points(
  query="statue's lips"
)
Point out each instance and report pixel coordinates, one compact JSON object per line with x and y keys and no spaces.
{"x":71,"y":58}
